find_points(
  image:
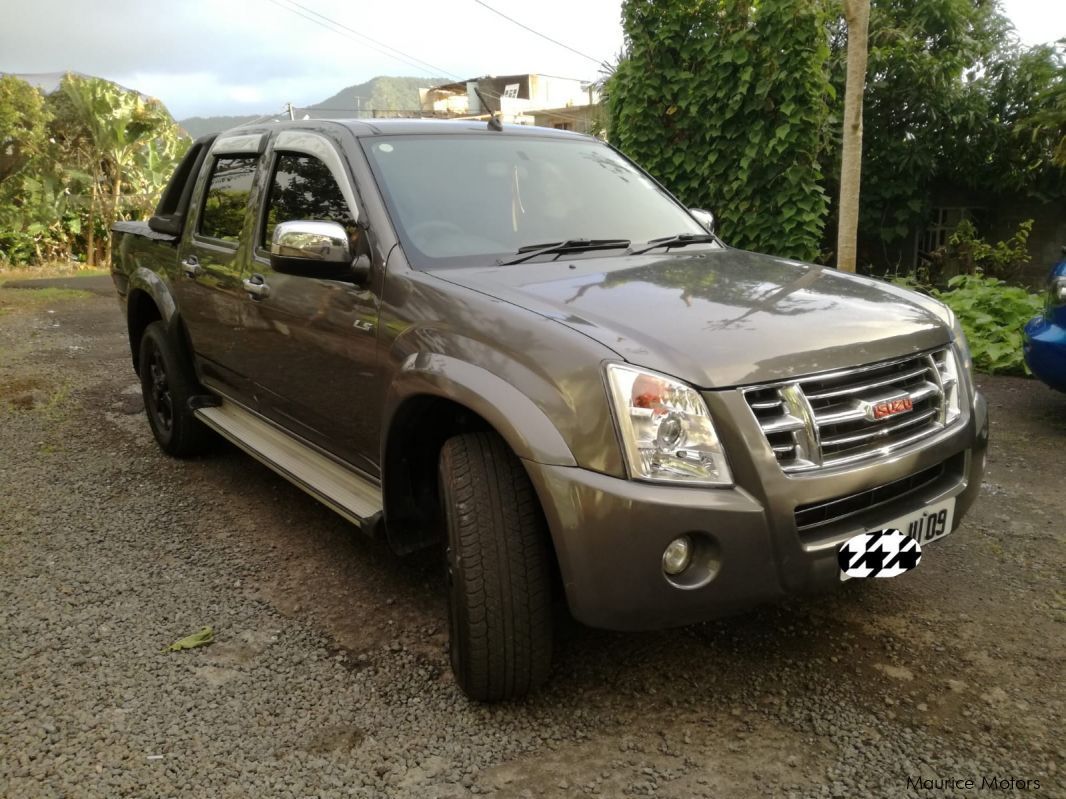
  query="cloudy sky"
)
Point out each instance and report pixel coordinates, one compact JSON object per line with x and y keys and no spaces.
{"x":204,"y":57}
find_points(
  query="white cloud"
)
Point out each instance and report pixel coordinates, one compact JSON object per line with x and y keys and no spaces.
{"x":249,"y":56}
{"x":1036,"y":21}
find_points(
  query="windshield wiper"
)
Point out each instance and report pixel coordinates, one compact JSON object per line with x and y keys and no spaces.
{"x":679,"y":240}
{"x":570,"y":245}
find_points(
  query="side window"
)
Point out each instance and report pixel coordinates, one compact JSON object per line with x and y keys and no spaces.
{"x":304,"y":188}
{"x":227,"y":197}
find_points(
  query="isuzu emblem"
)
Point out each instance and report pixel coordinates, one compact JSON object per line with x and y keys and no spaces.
{"x":883,"y":407}
{"x":892,"y":407}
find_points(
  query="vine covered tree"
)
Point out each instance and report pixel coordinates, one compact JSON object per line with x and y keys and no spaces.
{"x":725,"y":102}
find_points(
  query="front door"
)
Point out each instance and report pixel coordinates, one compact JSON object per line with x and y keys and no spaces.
{"x":211,"y":266}
{"x":314,"y":356}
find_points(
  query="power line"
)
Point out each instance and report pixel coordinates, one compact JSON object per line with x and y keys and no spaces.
{"x":331,"y":24}
{"x":339,"y":28}
{"x":438,"y":71}
{"x":538,"y":33}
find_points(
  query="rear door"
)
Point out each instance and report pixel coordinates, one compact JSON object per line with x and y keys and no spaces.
{"x":213,"y":260}
{"x":314,"y":361}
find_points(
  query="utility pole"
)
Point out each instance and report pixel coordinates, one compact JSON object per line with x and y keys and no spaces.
{"x":292,"y":113}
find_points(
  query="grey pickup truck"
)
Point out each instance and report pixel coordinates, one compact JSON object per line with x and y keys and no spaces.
{"x":513,"y":344}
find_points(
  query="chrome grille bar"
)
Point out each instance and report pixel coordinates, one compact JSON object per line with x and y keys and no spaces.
{"x":851,"y":415}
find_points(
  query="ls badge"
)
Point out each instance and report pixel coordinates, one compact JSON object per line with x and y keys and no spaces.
{"x":882,"y":553}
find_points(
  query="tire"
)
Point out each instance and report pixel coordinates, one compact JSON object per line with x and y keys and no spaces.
{"x":166,"y":384}
{"x":499,"y":575}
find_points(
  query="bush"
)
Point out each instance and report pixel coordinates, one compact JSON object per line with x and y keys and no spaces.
{"x":966,"y":253}
{"x":992,"y":315}
{"x":725,"y":102}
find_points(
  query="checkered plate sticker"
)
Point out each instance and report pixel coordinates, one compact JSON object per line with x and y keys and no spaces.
{"x":897,"y":548}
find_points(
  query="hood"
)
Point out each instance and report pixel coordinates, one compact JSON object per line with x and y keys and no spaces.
{"x":723,"y":317}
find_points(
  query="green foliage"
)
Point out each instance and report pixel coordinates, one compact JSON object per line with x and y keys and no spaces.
{"x":951,"y":98}
{"x":1010,"y":143}
{"x":77,"y":160}
{"x":992,"y":315}
{"x":967,"y":253}
{"x":23,"y":125}
{"x":725,"y":102}
{"x":1048,"y":121}
{"x":34,"y":216}
{"x":991,"y":311}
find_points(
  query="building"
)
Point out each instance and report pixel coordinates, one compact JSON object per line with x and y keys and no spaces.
{"x":528,"y":99}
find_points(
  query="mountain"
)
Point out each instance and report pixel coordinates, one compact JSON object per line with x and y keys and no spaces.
{"x":201,"y":126}
{"x":379,"y":94}
{"x":383,"y":93}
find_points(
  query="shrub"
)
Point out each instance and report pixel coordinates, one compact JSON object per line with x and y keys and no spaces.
{"x":966,"y":253}
{"x":992,"y":314}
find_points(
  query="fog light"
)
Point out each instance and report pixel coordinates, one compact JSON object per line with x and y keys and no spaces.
{"x":677,"y":555}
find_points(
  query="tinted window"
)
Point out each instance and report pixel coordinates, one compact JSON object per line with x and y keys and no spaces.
{"x":470,"y":199}
{"x":227,"y":197}
{"x":304,"y":188}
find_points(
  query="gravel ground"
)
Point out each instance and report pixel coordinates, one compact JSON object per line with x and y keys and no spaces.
{"x":329,"y":673}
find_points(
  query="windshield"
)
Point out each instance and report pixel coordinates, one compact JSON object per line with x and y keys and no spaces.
{"x":472,"y":200}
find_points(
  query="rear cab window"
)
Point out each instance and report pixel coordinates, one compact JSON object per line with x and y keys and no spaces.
{"x":226,"y":199}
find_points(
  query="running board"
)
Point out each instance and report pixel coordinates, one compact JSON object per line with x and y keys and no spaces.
{"x":349,"y":494}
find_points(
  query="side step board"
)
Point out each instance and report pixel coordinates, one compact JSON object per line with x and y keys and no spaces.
{"x":352,"y":496}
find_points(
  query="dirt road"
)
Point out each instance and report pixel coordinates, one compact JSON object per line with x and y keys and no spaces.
{"x":329,"y":673}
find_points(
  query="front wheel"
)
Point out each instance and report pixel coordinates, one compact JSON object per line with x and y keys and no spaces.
{"x":499,"y":575}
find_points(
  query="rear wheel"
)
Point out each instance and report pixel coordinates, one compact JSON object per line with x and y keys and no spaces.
{"x":499,"y":576}
{"x":167,"y":383}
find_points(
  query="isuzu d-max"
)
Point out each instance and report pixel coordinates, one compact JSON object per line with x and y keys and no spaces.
{"x":516,"y":345}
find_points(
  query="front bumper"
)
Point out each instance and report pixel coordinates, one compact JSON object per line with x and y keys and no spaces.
{"x":610,"y":533}
{"x":1044,"y":346}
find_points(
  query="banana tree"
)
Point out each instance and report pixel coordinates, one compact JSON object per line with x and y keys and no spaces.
{"x":121,"y":127}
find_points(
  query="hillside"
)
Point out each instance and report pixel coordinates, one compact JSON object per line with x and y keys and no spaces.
{"x":379,"y":94}
{"x":383,"y":93}
{"x":201,"y":126}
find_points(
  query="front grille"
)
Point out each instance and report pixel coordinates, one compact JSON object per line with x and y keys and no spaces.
{"x":817,"y":514}
{"x":832,"y":419}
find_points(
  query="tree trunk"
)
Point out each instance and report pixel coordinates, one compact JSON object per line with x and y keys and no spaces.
{"x":90,"y":237}
{"x":857,"y":14}
{"x":116,"y":195}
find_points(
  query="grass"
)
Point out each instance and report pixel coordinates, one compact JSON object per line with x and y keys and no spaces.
{"x":11,"y":299}
{"x":49,"y":269}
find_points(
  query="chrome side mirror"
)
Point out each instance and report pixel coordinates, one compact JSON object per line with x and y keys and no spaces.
{"x":705,"y":218}
{"x":325,"y":242}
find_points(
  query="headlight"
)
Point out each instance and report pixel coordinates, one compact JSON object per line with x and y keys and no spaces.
{"x":1057,"y":292}
{"x":666,"y":430}
{"x":962,"y":367}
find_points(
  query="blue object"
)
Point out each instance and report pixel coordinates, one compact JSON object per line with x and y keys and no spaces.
{"x":1044,"y":338}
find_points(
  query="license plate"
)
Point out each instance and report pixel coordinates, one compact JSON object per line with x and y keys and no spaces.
{"x":924,"y":525}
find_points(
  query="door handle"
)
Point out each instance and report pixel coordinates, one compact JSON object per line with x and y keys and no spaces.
{"x":191,"y":267}
{"x":257,"y":287}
